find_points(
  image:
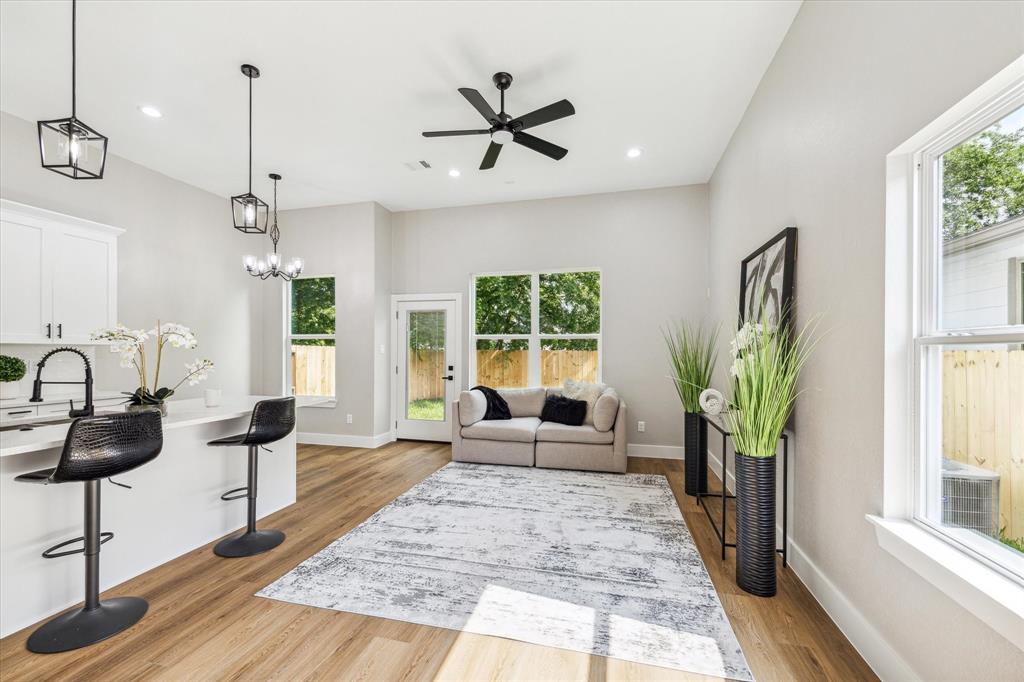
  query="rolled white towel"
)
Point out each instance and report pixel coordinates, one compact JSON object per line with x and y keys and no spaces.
{"x":712,"y":401}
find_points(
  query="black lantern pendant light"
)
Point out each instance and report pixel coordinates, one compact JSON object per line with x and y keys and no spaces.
{"x":66,"y":145}
{"x":249,"y":211}
{"x":271,"y":267}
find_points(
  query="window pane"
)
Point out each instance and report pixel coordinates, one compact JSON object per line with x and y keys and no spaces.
{"x":503,"y":304}
{"x":974,"y":484}
{"x":562,"y":359}
{"x":425,"y":391}
{"x":570,"y":303}
{"x":982,"y":194}
{"x":503,"y":364}
{"x":313,"y":367}
{"x":313,"y":305}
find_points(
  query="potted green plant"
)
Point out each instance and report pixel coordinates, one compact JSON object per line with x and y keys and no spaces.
{"x":766,"y":365}
{"x":12,"y":370}
{"x":130,"y":344}
{"x":692,"y":351}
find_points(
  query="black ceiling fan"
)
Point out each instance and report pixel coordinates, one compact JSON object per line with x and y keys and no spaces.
{"x":505,"y":129}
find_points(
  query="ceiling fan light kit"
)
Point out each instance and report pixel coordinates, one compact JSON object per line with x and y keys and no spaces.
{"x":67,"y":145}
{"x":505,"y":129}
{"x":249,"y":212}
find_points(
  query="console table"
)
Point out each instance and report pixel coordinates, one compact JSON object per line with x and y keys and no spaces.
{"x":718,"y":423}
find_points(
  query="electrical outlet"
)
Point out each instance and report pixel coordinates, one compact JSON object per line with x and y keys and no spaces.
{"x":348,"y":419}
{"x":641,"y":426}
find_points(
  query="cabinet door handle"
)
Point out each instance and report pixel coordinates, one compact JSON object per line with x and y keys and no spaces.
{"x":11,"y":414}
{"x":49,"y":330}
{"x":60,"y":331}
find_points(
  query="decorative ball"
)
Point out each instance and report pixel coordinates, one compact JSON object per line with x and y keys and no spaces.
{"x":711,"y":401}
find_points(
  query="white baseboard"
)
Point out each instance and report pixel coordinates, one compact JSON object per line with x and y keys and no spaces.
{"x":655,"y":451}
{"x":347,"y":441}
{"x":869,"y":642}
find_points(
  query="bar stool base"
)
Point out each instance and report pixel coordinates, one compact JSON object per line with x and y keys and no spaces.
{"x":249,"y":543}
{"x":80,"y":628}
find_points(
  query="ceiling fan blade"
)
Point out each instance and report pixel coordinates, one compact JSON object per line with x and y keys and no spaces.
{"x":539,"y":145}
{"x":480,"y":104}
{"x":491,"y":156}
{"x":551,"y":112}
{"x":450,"y":133}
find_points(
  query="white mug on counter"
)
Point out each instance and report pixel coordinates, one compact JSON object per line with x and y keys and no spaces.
{"x":212,"y":397}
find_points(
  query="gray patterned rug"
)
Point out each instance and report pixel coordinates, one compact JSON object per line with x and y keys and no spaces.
{"x":598,"y":563}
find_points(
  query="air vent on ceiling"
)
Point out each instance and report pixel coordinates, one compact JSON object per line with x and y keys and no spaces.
{"x":417,"y":165}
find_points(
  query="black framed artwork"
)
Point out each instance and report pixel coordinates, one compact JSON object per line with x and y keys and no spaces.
{"x":767,"y":278}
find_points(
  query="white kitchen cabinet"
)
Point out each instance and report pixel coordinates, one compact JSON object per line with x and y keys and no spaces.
{"x":58,"y":276}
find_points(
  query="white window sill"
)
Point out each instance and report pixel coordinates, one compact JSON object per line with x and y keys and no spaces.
{"x":327,"y":404}
{"x":994,"y":598}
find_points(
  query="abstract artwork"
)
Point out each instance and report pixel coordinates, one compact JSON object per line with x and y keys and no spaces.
{"x":766,"y":280}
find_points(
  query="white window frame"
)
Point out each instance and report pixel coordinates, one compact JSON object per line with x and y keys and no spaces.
{"x":288,"y":336}
{"x":534,"y":337}
{"x":957,"y":563}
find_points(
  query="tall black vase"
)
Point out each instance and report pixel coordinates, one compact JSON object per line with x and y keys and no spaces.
{"x":695,"y":464}
{"x":755,"y":525}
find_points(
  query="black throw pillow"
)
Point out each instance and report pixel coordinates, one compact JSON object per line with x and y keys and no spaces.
{"x":497,"y":408}
{"x":562,"y":410}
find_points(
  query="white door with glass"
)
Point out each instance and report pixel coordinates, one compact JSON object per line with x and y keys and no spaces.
{"x":427,"y":378}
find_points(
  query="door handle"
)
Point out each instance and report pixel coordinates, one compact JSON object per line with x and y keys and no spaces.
{"x":60,"y":331}
{"x":448,"y":378}
{"x":49,"y":330}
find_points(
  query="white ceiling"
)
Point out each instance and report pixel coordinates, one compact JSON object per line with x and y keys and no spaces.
{"x":346,"y":89}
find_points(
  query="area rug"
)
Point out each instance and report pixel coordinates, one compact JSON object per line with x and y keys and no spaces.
{"x":597,"y":563}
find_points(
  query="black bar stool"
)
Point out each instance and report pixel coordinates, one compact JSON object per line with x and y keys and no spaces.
{"x":95,"y":448}
{"x":271,"y":420}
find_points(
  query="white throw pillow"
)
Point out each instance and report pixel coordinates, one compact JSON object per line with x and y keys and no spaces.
{"x":472,"y":407}
{"x":583,"y":390}
{"x":606,"y":409}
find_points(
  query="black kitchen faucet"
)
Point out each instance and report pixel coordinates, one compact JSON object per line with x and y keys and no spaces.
{"x":37,"y":386}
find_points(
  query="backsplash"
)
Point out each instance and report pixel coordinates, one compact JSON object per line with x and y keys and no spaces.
{"x":61,"y":367}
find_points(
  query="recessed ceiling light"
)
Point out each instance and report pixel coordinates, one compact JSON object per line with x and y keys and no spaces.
{"x":150,"y":111}
{"x":634,"y":152}
{"x":454,"y":172}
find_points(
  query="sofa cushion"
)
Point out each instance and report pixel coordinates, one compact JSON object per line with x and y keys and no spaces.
{"x":605,"y":410}
{"x":563,"y":433}
{"x":584,"y":390}
{"x":519,"y":429}
{"x":562,"y":410}
{"x":472,"y":407}
{"x":524,"y":402}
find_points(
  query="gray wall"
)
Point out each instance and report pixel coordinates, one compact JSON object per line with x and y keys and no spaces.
{"x":179,"y":259}
{"x":651,"y":246}
{"x":352,"y":242}
{"x":851,"y":81}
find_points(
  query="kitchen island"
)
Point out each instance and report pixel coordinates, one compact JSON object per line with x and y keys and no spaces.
{"x":174,"y":505}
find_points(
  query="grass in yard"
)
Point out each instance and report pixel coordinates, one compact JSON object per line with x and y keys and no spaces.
{"x":431,"y":409}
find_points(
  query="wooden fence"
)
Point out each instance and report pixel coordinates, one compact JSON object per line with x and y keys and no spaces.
{"x":508,"y":369}
{"x":983,"y":421}
{"x":313,"y":370}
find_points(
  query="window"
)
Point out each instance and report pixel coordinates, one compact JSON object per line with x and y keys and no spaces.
{"x":311,"y":336}
{"x":536,"y":329}
{"x":968,"y":359}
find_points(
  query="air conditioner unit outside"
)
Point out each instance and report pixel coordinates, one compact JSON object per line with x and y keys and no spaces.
{"x":970,"y":497}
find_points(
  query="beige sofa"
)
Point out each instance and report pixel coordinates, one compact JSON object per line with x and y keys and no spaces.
{"x":525,"y":440}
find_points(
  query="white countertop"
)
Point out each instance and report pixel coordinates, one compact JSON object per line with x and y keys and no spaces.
{"x":180,"y":414}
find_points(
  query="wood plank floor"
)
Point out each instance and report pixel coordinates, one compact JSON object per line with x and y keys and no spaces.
{"x":205,"y":624}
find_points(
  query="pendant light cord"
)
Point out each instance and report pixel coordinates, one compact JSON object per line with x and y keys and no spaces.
{"x":250,"y":133}
{"x":74,"y":9}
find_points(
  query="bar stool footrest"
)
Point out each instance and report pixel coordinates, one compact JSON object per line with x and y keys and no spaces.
{"x":235,"y":494}
{"x":50,"y":554}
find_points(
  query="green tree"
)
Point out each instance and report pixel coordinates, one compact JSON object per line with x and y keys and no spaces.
{"x":982,"y":182}
{"x":313,"y":309}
